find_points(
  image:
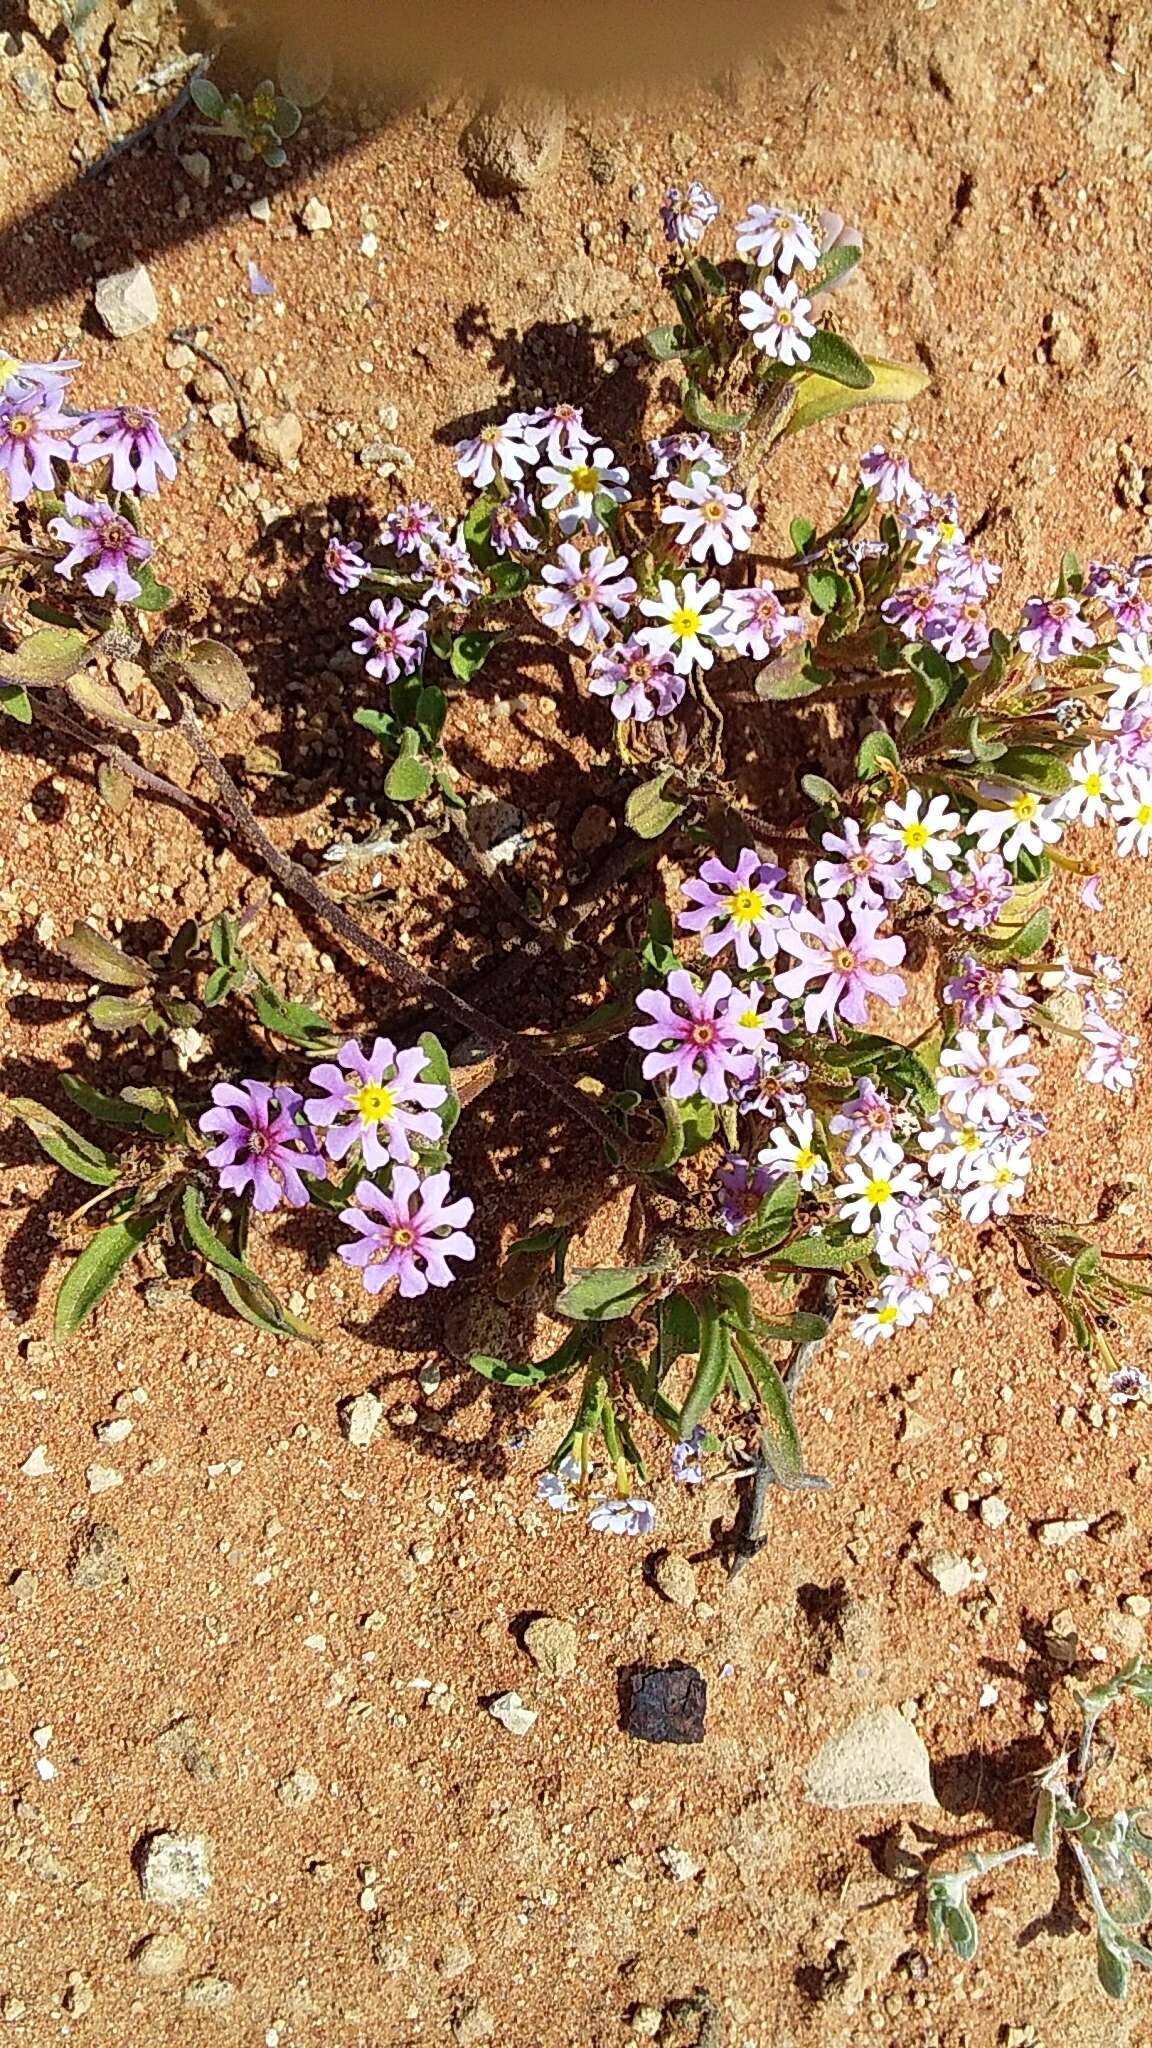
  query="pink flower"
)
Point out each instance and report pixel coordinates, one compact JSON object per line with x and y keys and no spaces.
{"x":558,"y":431}
{"x":852,"y":965}
{"x":686,"y":215}
{"x":410,"y":527}
{"x":867,"y":1119}
{"x":695,"y":1036}
{"x":982,"y":1082}
{"x":104,"y":539}
{"x":987,"y":995}
{"x":741,"y":906}
{"x":408,"y":1235}
{"x":263,"y":1145}
{"x":711,"y":520}
{"x":873,"y":870}
{"x":344,"y":565}
{"x":637,"y":683}
{"x":393,"y":639}
{"x":502,"y":450}
{"x":506,"y":527}
{"x":31,"y":427}
{"x":977,"y":893}
{"x":890,"y":476}
{"x":755,"y":622}
{"x":1053,"y":628}
{"x":585,"y":594}
{"x":130,"y":435}
{"x":377,"y":1098}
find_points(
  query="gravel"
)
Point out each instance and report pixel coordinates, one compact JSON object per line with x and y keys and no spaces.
{"x":160,"y":1955}
{"x":174,"y":1870}
{"x":675,"y":1578}
{"x":126,"y":302}
{"x":277,"y":440}
{"x":360,"y":1417}
{"x":514,"y":144}
{"x":508,"y":1708}
{"x":299,"y":1789}
{"x":96,"y":1559}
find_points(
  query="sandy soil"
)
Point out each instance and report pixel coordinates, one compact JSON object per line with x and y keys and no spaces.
{"x":275,"y":1601}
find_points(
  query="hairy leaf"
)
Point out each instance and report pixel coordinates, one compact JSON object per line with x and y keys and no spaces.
{"x":711,"y":1370}
{"x":64,"y":1146}
{"x":218,"y":675}
{"x":783,"y":1451}
{"x":91,"y":1274}
{"x":819,"y":398}
{"x":97,"y":959}
{"x":44,"y":658}
{"x":604,"y":1293}
{"x":648,"y":812}
{"x":831,"y":356}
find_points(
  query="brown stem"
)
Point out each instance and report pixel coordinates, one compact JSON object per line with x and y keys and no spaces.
{"x":413,"y":980}
{"x":135,"y":770}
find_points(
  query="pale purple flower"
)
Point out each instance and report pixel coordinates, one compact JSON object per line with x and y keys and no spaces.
{"x":1128,"y":1383}
{"x":408,"y":1234}
{"x":637,"y":683}
{"x":506,"y":528}
{"x":502,"y":450}
{"x":755,"y":622}
{"x":740,"y":906}
{"x":1090,"y":893}
{"x":615,"y":1517}
{"x":344,"y":565}
{"x":873,"y":870}
{"x":263,"y":1145}
{"x":741,"y":1188}
{"x":777,"y":319}
{"x":960,"y":632}
{"x":977,"y":893}
{"x":694,"y":1036}
{"x":851,"y":965}
{"x":96,"y":535}
{"x":687,"y":214}
{"x":922,"y":1275}
{"x":1053,"y":628}
{"x":1118,"y":590}
{"x":576,"y":481}
{"x":890,"y":476}
{"x":392,"y":640}
{"x":261,"y":287}
{"x":964,"y":574}
{"x":997,"y":1179}
{"x":983,"y":1080}
{"x":130,"y":436}
{"x":911,"y":609}
{"x":672,"y":452}
{"x":683,"y":617}
{"x":711,"y":520}
{"x":1131,"y":733}
{"x":777,"y":1085}
{"x":552,"y":1488}
{"x":687,"y":1468}
{"x":376,"y":1099}
{"x":582,"y":594}
{"x":558,"y":431}
{"x":987,"y":995}
{"x":33,"y":429}
{"x":768,"y":235}
{"x":452,"y":573}
{"x":1114,"y":1054}
{"x":17,"y":379}
{"x":411,"y":528}
{"x":930,"y":523}
{"x":867,"y":1120}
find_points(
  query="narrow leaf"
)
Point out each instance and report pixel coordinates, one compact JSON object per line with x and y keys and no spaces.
{"x":711,"y":1371}
{"x":91,"y":1275}
{"x":64,"y":1146}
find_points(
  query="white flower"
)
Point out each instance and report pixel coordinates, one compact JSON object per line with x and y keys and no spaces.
{"x":1132,"y":813}
{"x":870,"y":1193}
{"x":1130,"y":669}
{"x":552,"y":1487}
{"x":791,"y":1149}
{"x":684,"y":616}
{"x":616,"y":1517}
{"x":581,"y":596}
{"x":925,"y":841}
{"x":1094,"y":785}
{"x":777,"y":319}
{"x":983,"y":1079}
{"x":711,"y":520}
{"x":577,"y":481}
{"x":502,"y":448}
{"x":883,"y":1316}
{"x":1019,"y":823}
{"x":768,"y":235}
{"x":954,"y":1149}
{"x":997,"y":1180}
{"x":1115,"y":1054}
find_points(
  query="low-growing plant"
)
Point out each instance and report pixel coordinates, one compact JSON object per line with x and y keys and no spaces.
{"x":738,"y":1075}
{"x":1107,"y":1852}
{"x":262,"y":122}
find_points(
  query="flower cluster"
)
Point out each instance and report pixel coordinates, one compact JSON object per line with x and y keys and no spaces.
{"x":38,"y":430}
{"x":370,"y":1108}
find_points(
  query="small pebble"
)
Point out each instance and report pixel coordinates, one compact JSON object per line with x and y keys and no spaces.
{"x":160,"y":1955}
{"x":553,"y":1646}
{"x":316,"y":218}
{"x":509,"y":1709}
{"x":102,"y":1478}
{"x":297,"y":1790}
{"x":360,"y":1417}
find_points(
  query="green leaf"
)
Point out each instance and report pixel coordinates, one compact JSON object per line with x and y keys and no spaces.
{"x":698,"y":1123}
{"x":671,"y":1146}
{"x":700,"y":412}
{"x":380,"y":724}
{"x":711,"y":1371}
{"x":469,"y":653}
{"x":15,"y":702}
{"x":45,"y":658}
{"x":665,"y":344}
{"x":1071,"y":575}
{"x":1030,"y":939}
{"x":820,"y":1254}
{"x":64,"y":1146}
{"x":648,"y":812}
{"x":827,"y":590}
{"x":876,"y":747}
{"x":107,"y":1109}
{"x":783,"y":1451}
{"x":831,"y":356}
{"x":437,"y":1068}
{"x":819,"y":398}
{"x":218,"y":675}
{"x":91,"y":1275}
{"x":431,"y":709}
{"x":897,"y":1066}
{"x":1035,"y":768}
{"x":604,"y":1293}
{"x":820,"y":791}
{"x":735,"y":1297}
{"x":802,"y":534}
{"x":835,"y":265}
{"x":937,"y":682}
{"x":1112,"y":1966}
{"x":154,"y":597}
{"x":658,"y":953}
{"x":509,"y":578}
{"x":205,"y":1240}
{"x":532,"y":1373}
{"x":296,"y":1022}
{"x":120,"y":1013}
{"x":800,"y":1328}
{"x":961,"y":1929}
{"x":409,"y":778}
{"x":773,"y":1218}
{"x":97,"y":959}
{"x":286,"y":117}
{"x":207,"y":98}
{"x":678,"y":1328}
{"x":257,"y":1304}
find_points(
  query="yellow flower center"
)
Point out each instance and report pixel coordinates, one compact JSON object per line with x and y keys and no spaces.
{"x":1004,"y":1175}
{"x":403,"y":1237}
{"x":1144,"y":815}
{"x":750,"y":1021}
{"x":969,"y":1140}
{"x":878,"y":1191}
{"x":888,"y":1313}
{"x":373,"y":1103}
{"x":746,"y":906}
{"x":685,"y":623}
{"x":1092,"y":785}
{"x":1025,"y":806}
{"x":1146,"y":676}
{"x":915,"y":836}
{"x":783,"y":317}
{"x":585,"y":478}
{"x":844,"y":960}
{"x":19,"y":426}
{"x":805,"y":1159}
{"x":947,"y":530}
{"x":712,"y":509}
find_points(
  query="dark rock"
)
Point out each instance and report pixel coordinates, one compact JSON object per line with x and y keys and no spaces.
{"x":665,"y":1703}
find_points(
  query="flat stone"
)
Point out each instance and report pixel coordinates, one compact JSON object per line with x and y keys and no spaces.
{"x":953,"y":1574}
{"x":678,"y":1863}
{"x":666,"y":1703}
{"x":126,"y":302}
{"x":175,"y":1870}
{"x":509,"y":1709}
{"x":315,"y":218}
{"x":675,"y":1578}
{"x":877,"y":1760}
{"x":103,"y":1478}
{"x":207,"y":1994}
{"x":360,"y":1417}
{"x":96,"y":1559}
{"x":553,"y":1646}
{"x":160,"y":1956}
{"x":472,"y":2024}
{"x":1054,"y":1535}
